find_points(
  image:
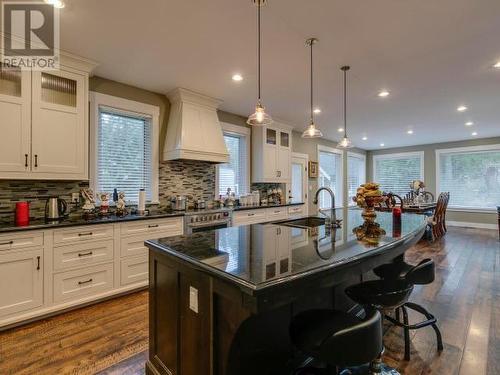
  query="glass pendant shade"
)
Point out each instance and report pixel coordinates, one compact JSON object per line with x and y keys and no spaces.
{"x":345,"y":143}
{"x":312,"y":132}
{"x":259,"y":117}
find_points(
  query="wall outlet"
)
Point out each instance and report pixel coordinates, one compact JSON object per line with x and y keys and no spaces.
{"x":75,"y":197}
{"x":193,"y":299}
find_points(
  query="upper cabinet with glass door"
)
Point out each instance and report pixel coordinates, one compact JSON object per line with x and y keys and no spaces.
{"x":45,"y":132}
{"x":271,"y":153}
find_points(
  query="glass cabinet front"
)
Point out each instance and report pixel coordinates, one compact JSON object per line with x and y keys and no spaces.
{"x":58,"y":90}
{"x":10,"y":81}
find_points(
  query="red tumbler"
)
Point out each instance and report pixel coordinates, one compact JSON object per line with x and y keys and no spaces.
{"x":396,"y":222}
{"x":22,"y":213}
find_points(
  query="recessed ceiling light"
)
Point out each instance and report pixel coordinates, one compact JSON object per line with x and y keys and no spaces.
{"x":364,"y":138}
{"x":497,"y":65}
{"x":469,"y":123}
{"x":383,"y":93}
{"x":56,"y":3}
{"x":410,"y":131}
{"x":462,"y":108}
{"x":340,"y":130}
{"x":382,"y":145}
{"x":474,"y":133}
{"x":237,"y":77}
{"x":317,"y":110}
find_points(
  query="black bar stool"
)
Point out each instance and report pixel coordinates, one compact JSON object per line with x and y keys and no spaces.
{"x":392,"y":292}
{"x":338,"y":339}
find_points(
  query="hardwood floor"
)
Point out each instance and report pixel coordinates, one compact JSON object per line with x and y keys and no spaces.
{"x":464,"y":297}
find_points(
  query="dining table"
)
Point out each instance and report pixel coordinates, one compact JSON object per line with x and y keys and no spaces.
{"x":416,"y":208}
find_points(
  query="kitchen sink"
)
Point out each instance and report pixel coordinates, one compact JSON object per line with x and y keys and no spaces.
{"x":306,"y":222}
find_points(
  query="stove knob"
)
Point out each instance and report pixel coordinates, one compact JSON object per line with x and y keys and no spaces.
{"x":192,"y":219}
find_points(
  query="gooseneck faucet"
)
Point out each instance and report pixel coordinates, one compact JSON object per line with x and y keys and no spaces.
{"x":332,"y":219}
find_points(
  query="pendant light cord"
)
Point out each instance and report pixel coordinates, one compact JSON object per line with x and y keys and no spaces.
{"x":259,"y":5}
{"x":312,"y":87}
{"x":345,"y":103}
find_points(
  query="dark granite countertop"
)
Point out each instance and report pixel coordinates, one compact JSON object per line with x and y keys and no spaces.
{"x":242,"y":208}
{"x":258,"y":256}
{"x":79,"y":220}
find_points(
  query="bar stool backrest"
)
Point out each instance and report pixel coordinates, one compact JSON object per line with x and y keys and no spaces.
{"x":421,"y":274}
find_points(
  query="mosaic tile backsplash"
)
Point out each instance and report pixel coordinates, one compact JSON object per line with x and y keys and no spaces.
{"x":175,"y":177}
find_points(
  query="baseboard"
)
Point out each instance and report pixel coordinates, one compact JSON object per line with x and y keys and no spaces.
{"x":470,"y":225}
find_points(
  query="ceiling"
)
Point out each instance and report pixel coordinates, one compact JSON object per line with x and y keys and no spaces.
{"x":431,"y":55}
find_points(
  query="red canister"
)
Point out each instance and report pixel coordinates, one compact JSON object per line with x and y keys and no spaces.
{"x":22,"y":213}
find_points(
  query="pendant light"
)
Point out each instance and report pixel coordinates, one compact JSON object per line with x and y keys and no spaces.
{"x":345,"y":142}
{"x":312,"y":131}
{"x":259,"y":117}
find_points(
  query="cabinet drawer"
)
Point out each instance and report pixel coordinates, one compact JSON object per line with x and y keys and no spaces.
{"x":134,"y":245}
{"x":81,"y":234}
{"x":82,"y":254}
{"x":19,"y":241}
{"x":249,"y":217}
{"x":296,"y":210}
{"x":171,"y":226}
{"x":277,"y":213}
{"x":134,"y":269}
{"x":71,"y":285}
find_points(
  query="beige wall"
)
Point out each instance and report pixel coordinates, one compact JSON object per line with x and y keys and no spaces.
{"x":310,"y":147}
{"x":430,"y":173}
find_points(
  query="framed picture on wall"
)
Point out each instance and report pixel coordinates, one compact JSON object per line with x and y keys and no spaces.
{"x":313,"y":169}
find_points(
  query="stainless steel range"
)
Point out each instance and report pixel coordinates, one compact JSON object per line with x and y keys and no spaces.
{"x":202,"y":220}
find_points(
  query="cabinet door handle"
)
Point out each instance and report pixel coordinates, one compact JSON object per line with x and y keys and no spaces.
{"x":36,"y":160}
{"x":26,"y":160}
{"x":250,"y":214}
{"x":85,"y":254}
{"x":85,"y":234}
{"x":38,"y":262}
{"x":85,"y":282}
{"x":277,"y":211}
{"x":153,"y":226}
{"x":7,"y":243}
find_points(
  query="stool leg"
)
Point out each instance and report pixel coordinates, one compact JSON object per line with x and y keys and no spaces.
{"x":407,"y":333}
{"x":398,"y":318}
{"x":376,"y":365}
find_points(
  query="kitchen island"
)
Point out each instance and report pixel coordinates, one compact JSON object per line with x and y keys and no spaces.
{"x":221,"y":301}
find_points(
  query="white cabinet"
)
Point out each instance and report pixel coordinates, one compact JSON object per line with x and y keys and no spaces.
{"x":44,"y":123}
{"x":246,"y":217}
{"x":271,"y":153}
{"x":15,"y":114}
{"x":21,"y":280}
{"x":59,"y":125}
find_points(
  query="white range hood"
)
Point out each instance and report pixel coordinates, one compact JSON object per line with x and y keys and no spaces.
{"x":194,"y":131}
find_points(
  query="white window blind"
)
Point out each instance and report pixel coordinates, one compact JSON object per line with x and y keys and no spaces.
{"x":472,"y":176}
{"x":330,"y":175}
{"x":234,"y":174}
{"x":356,"y":174}
{"x":124,"y":153}
{"x":395,"y":172}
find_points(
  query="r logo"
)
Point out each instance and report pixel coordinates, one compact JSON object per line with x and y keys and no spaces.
{"x":30,"y":32}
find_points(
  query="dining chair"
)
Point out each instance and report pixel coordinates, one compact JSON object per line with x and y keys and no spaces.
{"x":437,"y":222}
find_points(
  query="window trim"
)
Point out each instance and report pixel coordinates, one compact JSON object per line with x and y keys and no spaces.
{"x":239,"y":131}
{"x":359,"y":156}
{"x":399,"y":155}
{"x":339,"y":198}
{"x":438,"y":152}
{"x":133,"y":108}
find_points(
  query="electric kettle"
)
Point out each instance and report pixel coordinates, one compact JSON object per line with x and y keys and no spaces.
{"x":55,"y":208}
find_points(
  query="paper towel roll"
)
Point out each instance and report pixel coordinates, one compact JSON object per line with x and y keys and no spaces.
{"x":141,"y":206}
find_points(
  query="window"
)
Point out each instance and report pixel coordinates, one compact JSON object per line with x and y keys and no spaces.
{"x":330,"y":175}
{"x":299,"y":178}
{"x":235,"y":174}
{"x":395,"y":172}
{"x":356,"y":174}
{"x":124,"y":147}
{"x":471,"y":175}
